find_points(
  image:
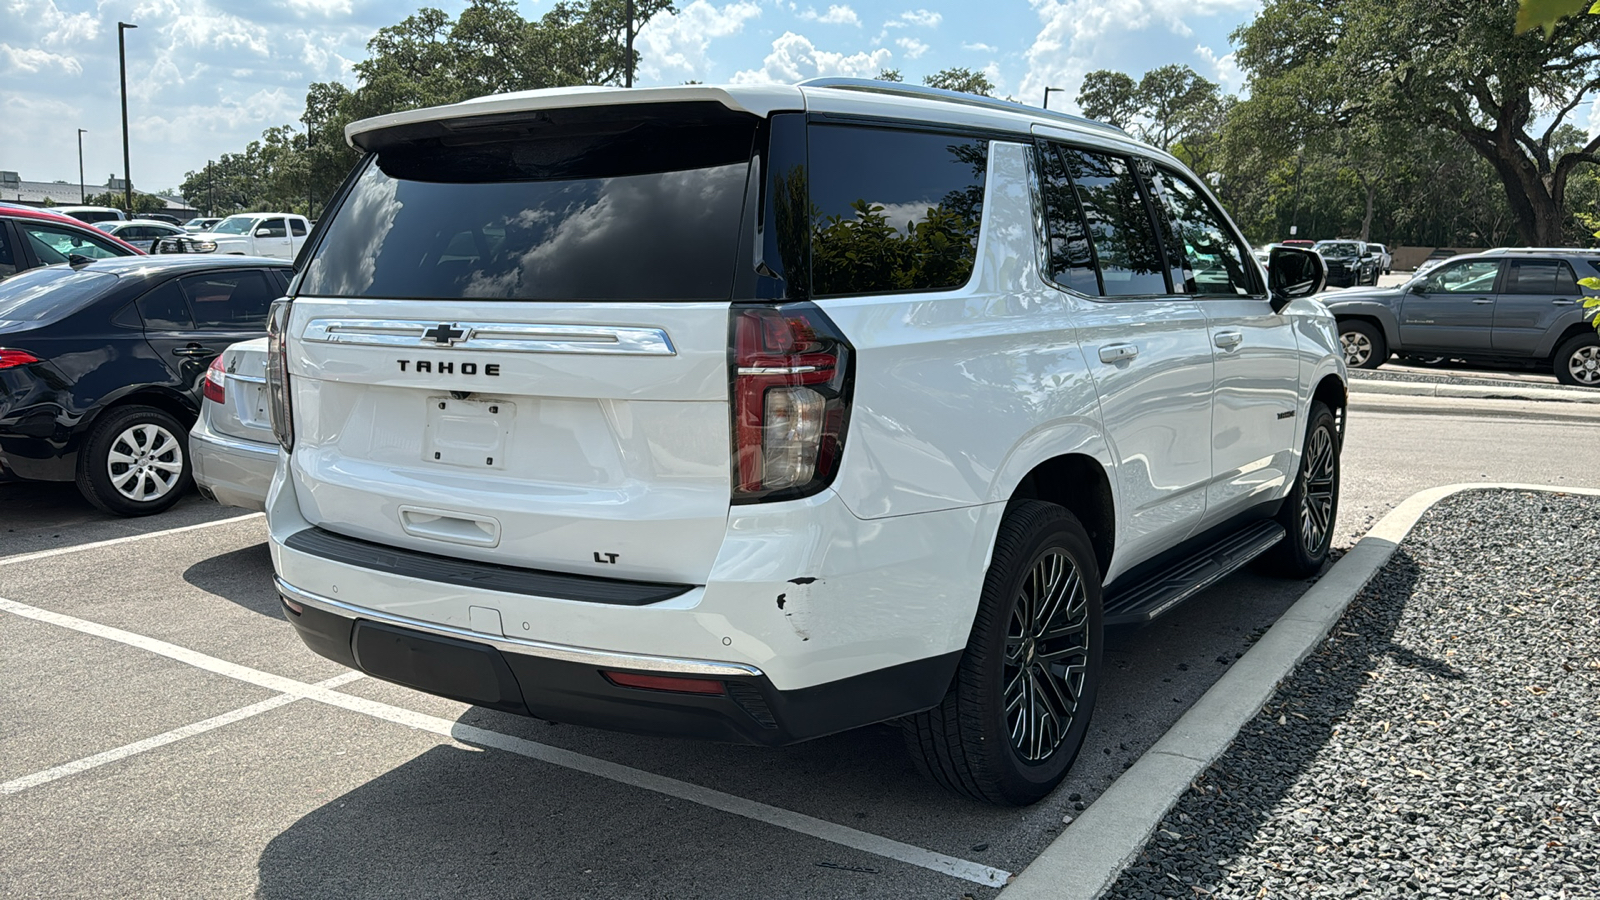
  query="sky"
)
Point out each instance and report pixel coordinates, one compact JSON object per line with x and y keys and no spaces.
{"x":205,"y":77}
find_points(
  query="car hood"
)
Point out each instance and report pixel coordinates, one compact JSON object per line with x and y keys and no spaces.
{"x":217,"y":236}
{"x":1369,"y":295}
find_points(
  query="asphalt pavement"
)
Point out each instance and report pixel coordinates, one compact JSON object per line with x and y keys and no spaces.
{"x":166,"y":734}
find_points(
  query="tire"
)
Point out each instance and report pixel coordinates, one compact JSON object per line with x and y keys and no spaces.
{"x":135,"y":462}
{"x":1312,"y":507}
{"x":1577,"y":362}
{"x":971,"y":743}
{"x":1363,"y":344}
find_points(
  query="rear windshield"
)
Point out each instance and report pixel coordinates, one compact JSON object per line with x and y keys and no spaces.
{"x":48,"y":294}
{"x":604,"y":208}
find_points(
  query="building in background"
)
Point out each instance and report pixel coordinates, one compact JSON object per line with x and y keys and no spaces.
{"x":65,"y":193}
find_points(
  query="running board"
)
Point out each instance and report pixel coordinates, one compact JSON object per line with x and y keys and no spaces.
{"x":1162,"y":590}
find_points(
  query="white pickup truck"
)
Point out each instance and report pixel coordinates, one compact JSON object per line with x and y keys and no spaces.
{"x":276,"y":235}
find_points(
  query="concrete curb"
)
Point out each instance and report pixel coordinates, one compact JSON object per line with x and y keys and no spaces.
{"x":1360,"y":385}
{"x":1091,"y":853}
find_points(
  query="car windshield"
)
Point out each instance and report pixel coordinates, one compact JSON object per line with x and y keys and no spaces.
{"x":1340,"y":250}
{"x":110,"y":227}
{"x":45,"y":295}
{"x":235,"y":225}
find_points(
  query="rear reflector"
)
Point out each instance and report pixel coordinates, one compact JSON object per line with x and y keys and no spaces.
{"x":665,"y":683}
{"x":12,"y":358}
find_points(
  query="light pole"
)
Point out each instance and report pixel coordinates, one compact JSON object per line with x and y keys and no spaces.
{"x":82,"y":197}
{"x":122,"y":68}
{"x":627,"y":77}
{"x":1048,"y":91}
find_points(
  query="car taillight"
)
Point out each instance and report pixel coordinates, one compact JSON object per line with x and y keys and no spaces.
{"x":12,"y":358}
{"x":791,"y":401}
{"x":278,"y":403}
{"x":215,"y":385}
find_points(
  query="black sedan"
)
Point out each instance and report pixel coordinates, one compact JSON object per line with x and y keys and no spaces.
{"x":102,"y":364}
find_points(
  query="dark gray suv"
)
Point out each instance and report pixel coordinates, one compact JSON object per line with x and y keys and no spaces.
{"x":1519,"y":308}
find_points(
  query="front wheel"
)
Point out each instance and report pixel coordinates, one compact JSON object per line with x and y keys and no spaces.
{"x":1578,"y":361}
{"x":1363,"y":344}
{"x":1017,"y":712}
{"x":135,"y":462}
{"x":1310,"y":510}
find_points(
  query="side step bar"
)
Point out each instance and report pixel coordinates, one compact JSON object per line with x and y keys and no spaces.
{"x":1162,"y":590}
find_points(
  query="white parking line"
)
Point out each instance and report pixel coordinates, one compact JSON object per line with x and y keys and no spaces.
{"x":661,"y":784}
{"x":18,"y":785}
{"x":46,"y":554}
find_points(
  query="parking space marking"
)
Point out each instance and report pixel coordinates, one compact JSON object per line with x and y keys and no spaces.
{"x":800,"y":823}
{"x":126,"y":539}
{"x":18,"y":785}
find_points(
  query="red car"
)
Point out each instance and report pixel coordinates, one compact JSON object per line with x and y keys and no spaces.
{"x":31,"y":237}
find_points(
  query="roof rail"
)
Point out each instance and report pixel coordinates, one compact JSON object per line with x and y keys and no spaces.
{"x":1578,"y":250}
{"x":895,"y":88}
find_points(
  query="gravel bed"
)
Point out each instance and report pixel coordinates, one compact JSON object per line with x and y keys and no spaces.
{"x":1444,"y":740}
{"x":1445,"y":377}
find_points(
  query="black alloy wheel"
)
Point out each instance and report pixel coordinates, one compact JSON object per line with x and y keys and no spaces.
{"x":1017,"y":712}
{"x":1310,"y":511}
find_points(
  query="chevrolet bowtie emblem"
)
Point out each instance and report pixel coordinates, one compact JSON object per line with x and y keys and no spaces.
{"x":443,"y":334}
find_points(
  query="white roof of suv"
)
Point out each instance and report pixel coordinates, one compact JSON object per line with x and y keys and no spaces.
{"x":861,"y":96}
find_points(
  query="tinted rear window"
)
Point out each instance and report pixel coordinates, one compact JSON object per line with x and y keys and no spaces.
{"x":645,"y":208}
{"x":45,"y":295}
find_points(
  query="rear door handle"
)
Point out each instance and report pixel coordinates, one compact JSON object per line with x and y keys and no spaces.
{"x":1482,"y":301}
{"x":1118,"y":352}
{"x":193,"y":350}
{"x":1562,"y":302}
{"x":1228,"y":340}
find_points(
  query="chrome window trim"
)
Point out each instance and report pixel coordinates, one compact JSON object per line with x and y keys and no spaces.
{"x":506,"y":337}
{"x":582,"y":655}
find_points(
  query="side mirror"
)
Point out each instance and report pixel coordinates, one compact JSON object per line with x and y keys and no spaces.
{"x":263,"y":231}
{"x":1292,"y":273}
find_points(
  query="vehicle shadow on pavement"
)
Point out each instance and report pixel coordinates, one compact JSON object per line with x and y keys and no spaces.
{"x":242,"y":576}
{"x":1246,"y":794}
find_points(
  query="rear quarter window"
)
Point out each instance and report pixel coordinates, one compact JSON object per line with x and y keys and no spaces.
{"x":893,"y":210}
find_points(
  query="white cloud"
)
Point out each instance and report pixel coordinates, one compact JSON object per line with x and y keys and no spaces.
{"x":985,"y":48}
{"x":674,"y":46}
{"x":55,"y":27}
{"x":29,"y":61}
{"x":919,"y":17}
{"x":836,"y":15}
{"x":1224,"y":70}
{"x":913,"y":48}
{"x":795,"y":58}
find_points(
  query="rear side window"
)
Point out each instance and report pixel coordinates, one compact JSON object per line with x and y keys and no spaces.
{"x":8,"y":256}
{"x":1214,"y":261}
{"x":163,"y":309}
{"x":1540,"y":276}
{"x":893,"y":210}
{"x":619,"y":204}
{"x":1126,"y":252}
{"x":236,"y":301}
{"x":1071,"y":256}
{"x":297,"y":227}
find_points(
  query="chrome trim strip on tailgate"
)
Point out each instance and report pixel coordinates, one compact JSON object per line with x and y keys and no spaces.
{"x":583,"y":655}
{"x":507,"y":337}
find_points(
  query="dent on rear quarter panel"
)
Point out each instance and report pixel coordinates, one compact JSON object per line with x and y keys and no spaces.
{"x":952,"y":386}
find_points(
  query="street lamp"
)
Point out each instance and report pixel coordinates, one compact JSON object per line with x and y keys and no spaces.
{"x":1048,"y":91}
{"x":122,"y":68}
{"x":627,"y":78}
{"x":81,"y":195}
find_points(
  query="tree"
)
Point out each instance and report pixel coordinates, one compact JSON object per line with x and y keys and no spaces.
{"x":1168,"y":106}
{"x":888,"y":75}
{"x":968,"y":81}
{"x":1110,"y":97}
{"x":1455,"y":67}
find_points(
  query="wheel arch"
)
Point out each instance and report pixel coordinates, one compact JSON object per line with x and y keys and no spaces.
{"x":1391,"y":335}
{"x":170,"y":402}
{"x":1574,"y":330}
{"x":1080,"y":483}
{"x":1335,"y":394}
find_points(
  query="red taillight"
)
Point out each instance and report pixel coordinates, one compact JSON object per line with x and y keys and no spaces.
{"x":674,"y":683}
{"x":215,"y":385}
{"x":791,"y":401}
{"x":278,"y":403}
{"x":12,"y":358}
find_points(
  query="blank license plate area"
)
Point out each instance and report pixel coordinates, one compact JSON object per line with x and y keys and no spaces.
{"x":474,"y":434}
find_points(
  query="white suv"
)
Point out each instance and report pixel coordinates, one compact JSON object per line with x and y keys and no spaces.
{"x":760,"y":413}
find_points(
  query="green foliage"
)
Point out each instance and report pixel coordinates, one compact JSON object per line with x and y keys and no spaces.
{"x":1110,"y":97}
{"x":1171,"y":106}
{"x":142,"y":203}
{"x":968,"y":81}
{"x":1546,"y":14}
{"x":888,"y":75}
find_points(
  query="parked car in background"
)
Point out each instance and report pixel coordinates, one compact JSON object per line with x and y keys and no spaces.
{"x":91,"y":214}
{"x":1434,"y":260}
{"x":201,"y":223}
{"x":232,"y":446}
{"x":162,"y":217}
{"x":32,"y":237}
{"x":276,"y":235}
{"x":142,"y":233}
{"x":1298,"y":242}
{"x":101,"y":365}
{"x":1383,"y":256}
{"x":582,"y":422}
{"x":1349,"y":263}
{"x":1517,"y":308}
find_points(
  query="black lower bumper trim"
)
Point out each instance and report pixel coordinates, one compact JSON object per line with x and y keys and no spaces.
{"x":751,"y":711}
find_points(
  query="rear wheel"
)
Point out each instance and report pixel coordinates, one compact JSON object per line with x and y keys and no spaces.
{"x":1578,"y":361}
{"x":135,"y":462}
{"x":1016,"y":714}
{"x":1363,"y":344}
{"x":1310,"y":510}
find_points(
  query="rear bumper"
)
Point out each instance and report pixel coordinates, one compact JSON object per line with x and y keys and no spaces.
{"x":232,"y":471}
{"x":565,"y":684}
